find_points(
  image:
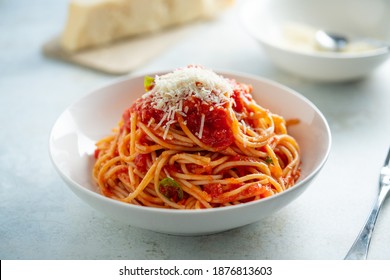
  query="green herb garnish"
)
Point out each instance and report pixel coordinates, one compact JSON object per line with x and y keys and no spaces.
{"x":268,"y":160}
{"x":148,"y":83}
{"x":171,"y":189}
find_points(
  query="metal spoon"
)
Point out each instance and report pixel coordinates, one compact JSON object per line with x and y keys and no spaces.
{"x":336,"y":42}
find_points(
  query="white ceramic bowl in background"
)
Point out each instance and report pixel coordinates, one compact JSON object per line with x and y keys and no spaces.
{"x":266,"y":20}
{"x":72,"y":139}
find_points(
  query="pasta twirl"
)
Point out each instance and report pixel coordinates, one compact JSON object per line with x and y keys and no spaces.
{"x":196,"y":140}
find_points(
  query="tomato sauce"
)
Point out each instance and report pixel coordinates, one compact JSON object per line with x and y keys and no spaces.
{"x":214,"y":190}
{"x":145,"y":112}
{"x":198,"y":169}
{"x":241,"y":95}
{"x":217,"y":131}
{"x":141,"y":162}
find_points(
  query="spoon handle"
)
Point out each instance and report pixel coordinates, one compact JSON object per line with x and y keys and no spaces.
{"x":359,"y":248}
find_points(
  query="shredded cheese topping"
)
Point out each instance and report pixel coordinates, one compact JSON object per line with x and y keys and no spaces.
{"x":171,"y":89}
{"x":201,"y":126}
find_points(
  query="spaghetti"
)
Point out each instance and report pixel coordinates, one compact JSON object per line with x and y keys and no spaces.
{"x":196,"y":140}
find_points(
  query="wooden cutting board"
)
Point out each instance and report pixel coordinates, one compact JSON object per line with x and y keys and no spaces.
{"x":122,"y":56}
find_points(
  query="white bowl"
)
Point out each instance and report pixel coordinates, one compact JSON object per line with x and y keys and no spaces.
{"x":267,"y":21}
{"x":72,"y":139}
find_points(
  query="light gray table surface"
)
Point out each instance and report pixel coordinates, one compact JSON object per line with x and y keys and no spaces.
{"x":40,"y":218}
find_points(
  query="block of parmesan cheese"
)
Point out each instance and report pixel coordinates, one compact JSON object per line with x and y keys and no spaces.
{"x":93,"y":23}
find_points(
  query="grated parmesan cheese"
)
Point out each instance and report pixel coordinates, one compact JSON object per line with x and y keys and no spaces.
{"x":170,"y":90}
{"x":201,"y":126}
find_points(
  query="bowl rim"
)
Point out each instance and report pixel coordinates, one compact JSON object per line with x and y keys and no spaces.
{"x":177,"y":212}
{"x":312,"y":54}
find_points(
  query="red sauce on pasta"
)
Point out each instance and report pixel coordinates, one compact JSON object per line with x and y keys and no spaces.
{"x":175,"y":146}
{"x":217,"y":131}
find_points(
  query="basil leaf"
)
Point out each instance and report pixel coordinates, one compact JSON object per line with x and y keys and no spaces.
{"x":148,"y":83}
{"x":268,"y":160}
{"x":171,"y":189}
